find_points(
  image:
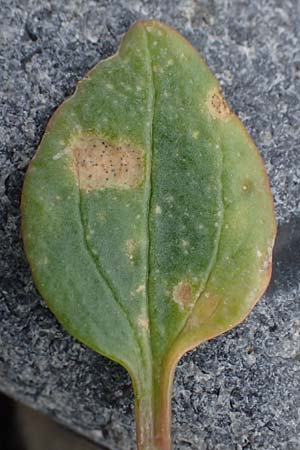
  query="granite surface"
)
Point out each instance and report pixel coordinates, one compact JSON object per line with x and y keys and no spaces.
{"x":241,"y":390}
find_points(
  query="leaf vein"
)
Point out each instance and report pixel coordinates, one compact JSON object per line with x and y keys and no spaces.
{"x":215,"y":255}
{"x":150,"y":191}
{"x":100,"y":270}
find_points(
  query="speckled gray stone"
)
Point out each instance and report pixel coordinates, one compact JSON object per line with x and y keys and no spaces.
{"x":241,"y":390}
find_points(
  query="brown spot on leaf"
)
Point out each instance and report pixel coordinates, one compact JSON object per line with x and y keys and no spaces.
{"x":183,"y":294}
{"x":100,"y":165}
{"x":217,"y":105}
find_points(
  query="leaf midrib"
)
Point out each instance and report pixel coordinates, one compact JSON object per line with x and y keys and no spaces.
{"x":150,"y":194}
{"x":149,"y":181}
{"x":216,"y":250}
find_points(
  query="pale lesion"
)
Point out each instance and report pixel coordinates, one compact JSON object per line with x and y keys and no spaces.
{"x":131,"y":249}
{"x":99,"y":164}
{"x":217,"y":105}
{"x":183,"y":295}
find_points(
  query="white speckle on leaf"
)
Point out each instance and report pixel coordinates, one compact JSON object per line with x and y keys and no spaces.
{"x":130,"y":246}
{"x":59,"y":155}
{"x":185,"y":244}
{"x":157,"y":209}
{"x":195,"y":134}
{"x":143,"y":322}
{"x":169,"y":198}
{"x":140,"y":289}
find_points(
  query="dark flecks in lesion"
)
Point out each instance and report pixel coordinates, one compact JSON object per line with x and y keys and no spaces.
{"x":217,"y":105}
{"x":99,"y":164}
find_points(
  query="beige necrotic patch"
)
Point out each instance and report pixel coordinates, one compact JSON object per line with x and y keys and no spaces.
{"x":101,"y":165}
{"x":217,"y":105}
{"x":143,"y":322}
{"x":182,"y":295}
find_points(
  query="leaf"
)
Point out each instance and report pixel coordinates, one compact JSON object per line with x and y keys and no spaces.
{"x":147,"y":215}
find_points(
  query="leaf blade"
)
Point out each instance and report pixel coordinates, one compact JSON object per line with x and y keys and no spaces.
{"x":162,"y":188}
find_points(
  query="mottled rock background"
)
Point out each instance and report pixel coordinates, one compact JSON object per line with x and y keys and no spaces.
{"x":241,"y":390}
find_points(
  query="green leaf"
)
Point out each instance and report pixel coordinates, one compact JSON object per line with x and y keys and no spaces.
{"x":147,"y":215}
